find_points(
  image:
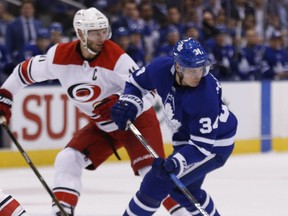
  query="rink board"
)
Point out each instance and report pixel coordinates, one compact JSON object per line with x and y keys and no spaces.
{"x":44,"y":120}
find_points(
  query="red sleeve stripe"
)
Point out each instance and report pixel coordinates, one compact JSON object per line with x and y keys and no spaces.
{"x":25,"y":72}
{"x":66,"y":195}
{"x":70,"y":199}
{"x":8,"y":204}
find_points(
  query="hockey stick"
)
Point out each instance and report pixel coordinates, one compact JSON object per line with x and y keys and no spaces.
{"x":30,"y":163}
{"x":174,"y":178}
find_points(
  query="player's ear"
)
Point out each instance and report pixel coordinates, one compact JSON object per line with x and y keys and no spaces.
{"x":177,"y":66}
{"x":80,"y":33}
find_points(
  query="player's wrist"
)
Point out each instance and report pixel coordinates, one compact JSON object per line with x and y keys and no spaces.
{"x":176,"y":164}
{"x":136,"y":101}
{"x":6,"y":97}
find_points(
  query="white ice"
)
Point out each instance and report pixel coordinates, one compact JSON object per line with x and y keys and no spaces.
{"x":248,"y":185}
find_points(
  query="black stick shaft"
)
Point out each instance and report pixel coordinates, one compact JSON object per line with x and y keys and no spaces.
{"x":174,"y":178}
{"x":35,"y":170}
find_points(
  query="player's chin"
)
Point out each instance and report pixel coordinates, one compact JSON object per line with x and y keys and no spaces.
{"x":192,"y":83}
{"x":97,"y":48}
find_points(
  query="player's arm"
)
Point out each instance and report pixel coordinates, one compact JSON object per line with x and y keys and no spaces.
{"x":130,"y":104}
{"x":123,"y":68}
{"x":203,"y":121}
{"x":25,"y":73}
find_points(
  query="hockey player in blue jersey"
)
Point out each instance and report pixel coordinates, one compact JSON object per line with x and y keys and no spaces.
{"x":203,"y":129}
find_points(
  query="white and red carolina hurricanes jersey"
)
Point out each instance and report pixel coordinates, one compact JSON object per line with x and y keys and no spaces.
{"x":85,"y":81}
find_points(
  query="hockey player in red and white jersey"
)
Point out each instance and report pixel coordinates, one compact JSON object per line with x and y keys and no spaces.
{"x":93,"y":71}
{"x":10,"y":206}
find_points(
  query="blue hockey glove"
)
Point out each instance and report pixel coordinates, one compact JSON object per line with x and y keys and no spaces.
{"x":175,"y":163}
{"x":127,"y":108}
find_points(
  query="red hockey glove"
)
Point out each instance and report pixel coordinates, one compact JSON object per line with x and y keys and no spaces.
{"x":6,"y":101}
{"x":102,"y":108}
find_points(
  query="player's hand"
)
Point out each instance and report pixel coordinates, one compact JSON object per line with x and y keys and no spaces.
{"x":102,"y":108}
{"x":6,"y":101}
{"x":127,"y":108}
{"x":162,"y":168}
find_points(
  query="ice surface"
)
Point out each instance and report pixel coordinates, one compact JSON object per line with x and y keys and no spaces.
{"x":248,"y":185}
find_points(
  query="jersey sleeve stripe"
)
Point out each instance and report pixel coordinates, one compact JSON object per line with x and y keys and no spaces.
{"x":225,"y":142}
{"x":20,"y":76}
{"x":178,"y":143}
{"x":29,"y":71}
{"x":203,"y":140}
{"x":25,"y":72}
{"x":202,"y":150}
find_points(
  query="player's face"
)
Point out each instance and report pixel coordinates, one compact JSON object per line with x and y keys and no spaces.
{"x":192,"y":76}
{"x":96,"y":38}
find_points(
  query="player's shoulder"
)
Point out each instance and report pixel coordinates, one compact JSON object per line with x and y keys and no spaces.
{"x":162,"y":64}
{"x":205,"y":96}
{"x":109,"y":56}
{"x":66,"y":53}
{"x":212,"y":81}
{"x":111,"y":48}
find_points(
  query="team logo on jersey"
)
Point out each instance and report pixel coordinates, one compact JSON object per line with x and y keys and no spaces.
{"x":84,"y":92}
{"x":169,"y":114}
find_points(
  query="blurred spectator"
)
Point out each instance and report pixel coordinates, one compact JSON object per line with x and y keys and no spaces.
{"x":136,"y":47}
{"x":260,"y":17}
{"x":198,"y":7}
{"x":208,"y":27}
{"x":220,"y":18}
{"x":5,"y":18}
{"x":250,"y":56}
{"x":33,"y":49}
{"x":129,"y":18}
{"x":275,"y":59}
{"x":103,"y":5}
{"x":160,"y":11}
{"x":173,"y":35}
{"x":213,"y":6}
{"x":6,"y":65}
{"x":238,"y":9}
{"x":191,"y":16}
{"x":274,"y":25}
{"x":56,"y":33}
{"x":249,"y":22}
{"x":151,"y":33}
{"x":173,"y":18}
{"x":23,"y":29}
{"x":279,"y":7}
{"x":191,"y":31}
{"x":221,"y":53}
{"x":122,"y":38}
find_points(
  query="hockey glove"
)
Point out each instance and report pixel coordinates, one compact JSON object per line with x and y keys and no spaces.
{"x":102,"y":108}
{"x":175,"y":163}
{"x":127,"y":108}
{"x":6,"y":101}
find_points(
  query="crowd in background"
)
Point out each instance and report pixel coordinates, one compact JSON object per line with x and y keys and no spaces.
{"x":245,"y":39}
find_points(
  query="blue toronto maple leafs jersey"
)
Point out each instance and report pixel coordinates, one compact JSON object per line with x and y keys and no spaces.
{"x":195,"y":115}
